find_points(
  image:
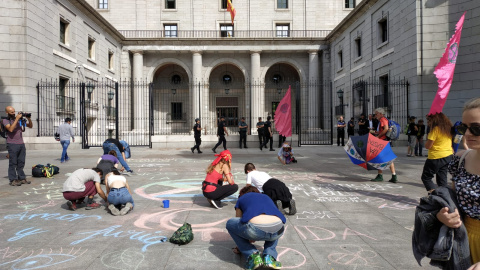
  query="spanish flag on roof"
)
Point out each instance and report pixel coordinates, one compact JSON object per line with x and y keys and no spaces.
{"x":231,"y":9}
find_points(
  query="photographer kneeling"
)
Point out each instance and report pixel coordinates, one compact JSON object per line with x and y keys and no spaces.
{"x":15,"y":126}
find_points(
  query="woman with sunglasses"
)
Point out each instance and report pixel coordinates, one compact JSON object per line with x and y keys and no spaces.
{"x":465,"y":171}
{"x":440,"y":151}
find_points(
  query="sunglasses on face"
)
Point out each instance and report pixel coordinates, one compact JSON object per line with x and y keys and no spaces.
{"x":474,"y":129}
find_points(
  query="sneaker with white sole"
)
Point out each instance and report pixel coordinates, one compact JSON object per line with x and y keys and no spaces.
{"x":126,"y":209}
{"x":114,"y":210}
{"x":292,"y":209}
{"x":280,"y":206}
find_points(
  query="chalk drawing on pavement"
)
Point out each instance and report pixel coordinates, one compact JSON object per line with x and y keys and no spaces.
{"x":128,"y":259}
{"x":353,"y":255}
{"x":20,"y":258}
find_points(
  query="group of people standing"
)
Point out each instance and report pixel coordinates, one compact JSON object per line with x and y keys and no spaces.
{"x":264,"y":129}
{"x":364,"y":127}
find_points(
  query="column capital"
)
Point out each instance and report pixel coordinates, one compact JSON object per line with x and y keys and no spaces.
{"x":137,"y":51}
{"x":313,"y":51}
{"x":196,"y":51}
{"x":255,"y":51}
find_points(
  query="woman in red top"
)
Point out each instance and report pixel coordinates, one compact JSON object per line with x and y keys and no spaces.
{"x":218,"y":173}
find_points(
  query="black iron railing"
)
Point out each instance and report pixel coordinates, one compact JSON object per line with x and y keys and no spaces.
{"x":209,"y":34}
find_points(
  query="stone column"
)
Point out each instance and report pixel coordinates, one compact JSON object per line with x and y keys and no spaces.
{"x":257,"y":92}
{"x":138,"y":94}
{"x":314,"y":106}
{"x":196,"y":93}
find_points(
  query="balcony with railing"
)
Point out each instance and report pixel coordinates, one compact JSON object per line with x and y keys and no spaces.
{"x":65,"y":104}
{"x":218,"y":34}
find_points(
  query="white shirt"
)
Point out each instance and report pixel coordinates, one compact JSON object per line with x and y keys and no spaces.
{"x":370,"y":124}
{"x":112,"y":178}
{"x":257,"y":179}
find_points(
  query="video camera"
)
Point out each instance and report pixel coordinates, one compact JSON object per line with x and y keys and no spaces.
{"x":25,"y":114}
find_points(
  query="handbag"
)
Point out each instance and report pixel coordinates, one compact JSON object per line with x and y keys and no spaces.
{"x":183,"y":235}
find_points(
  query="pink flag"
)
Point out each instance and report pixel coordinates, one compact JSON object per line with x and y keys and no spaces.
{"x":445,"y":69}
{"x":283,"y":115}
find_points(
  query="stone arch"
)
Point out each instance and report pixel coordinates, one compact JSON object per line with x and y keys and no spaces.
{"x":222,"y":61}
{"x":288,"y":61}
{"x":165,"y":61}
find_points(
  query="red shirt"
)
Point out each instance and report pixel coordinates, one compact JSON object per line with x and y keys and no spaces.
{"x":213,"y":178}
{"x":383,"y":122}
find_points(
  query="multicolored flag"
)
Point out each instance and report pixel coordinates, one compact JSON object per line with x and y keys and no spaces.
{"x":283,"y":115}
{"x":231,"y":9}
{"x":446,"y":68}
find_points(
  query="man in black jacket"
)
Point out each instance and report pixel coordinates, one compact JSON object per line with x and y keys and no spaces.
{"x":221,"y":131}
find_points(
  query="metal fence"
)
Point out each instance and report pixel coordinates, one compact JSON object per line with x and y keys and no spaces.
{"x":136,"y":111}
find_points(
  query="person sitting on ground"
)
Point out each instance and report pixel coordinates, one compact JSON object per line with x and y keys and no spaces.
{"x":272,"y":187}
{"x":217,"y":173}
{"x":256,"y":219}
{"x":285,"y":154}
{"x":107,"y":163}
{"x":80,"y":184}
{"x":119,"y":194}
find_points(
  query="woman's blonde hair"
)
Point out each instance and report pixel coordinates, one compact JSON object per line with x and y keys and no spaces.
{"x":223,"y":161}
{"x":473,"y":103}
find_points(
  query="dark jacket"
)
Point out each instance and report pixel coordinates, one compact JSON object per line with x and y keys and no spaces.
{"x":446,"y":247}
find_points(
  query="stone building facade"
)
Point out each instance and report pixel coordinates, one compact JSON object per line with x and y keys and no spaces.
{"x":190,"y":50}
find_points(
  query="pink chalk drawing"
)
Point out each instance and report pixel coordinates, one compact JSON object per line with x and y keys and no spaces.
{"x":353,"y":255}
{"x":165,"y":221}
{"x":34,"y":205}
{"x":315,"y":233}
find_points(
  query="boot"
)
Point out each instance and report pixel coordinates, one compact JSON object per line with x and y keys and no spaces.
{"x":394,"y":179}
{"x":379,"y":178}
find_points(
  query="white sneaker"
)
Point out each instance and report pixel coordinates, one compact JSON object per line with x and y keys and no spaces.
{"x":114,"y":210}
{"x":126,"y":209}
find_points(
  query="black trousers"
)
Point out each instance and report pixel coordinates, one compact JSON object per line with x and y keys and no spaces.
{"x":221,"y":139}
{"x":198,"y":142}
{"x":266,"y":139}
{"x":243,"y":137}
{"x":261,"y":138}
{"x":221,"y":192}
{"x":281,"y":140}
{"x":341,"y":135}
{"x":438,"y":167}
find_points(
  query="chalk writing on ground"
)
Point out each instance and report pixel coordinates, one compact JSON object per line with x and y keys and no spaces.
{"x":128,"y":259}
{"x":145,"y":238}
{"x":353,"y":255}
{"x":34,"y":205}
{"x":46,"y":216}
{"x":50,"y":190}
{"x":317,"y":215}
{"x":20,"y":258}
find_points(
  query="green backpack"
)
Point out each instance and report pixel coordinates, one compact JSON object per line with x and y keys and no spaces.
{"x":183,"y":235}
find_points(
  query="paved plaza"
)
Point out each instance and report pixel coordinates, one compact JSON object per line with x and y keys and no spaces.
{"x":344,"y":221}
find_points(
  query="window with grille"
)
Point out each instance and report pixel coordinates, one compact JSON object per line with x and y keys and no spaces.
{"x":283,"y":30}
{"x":349,"y":3}
{"x":102,"y":4}
{"x":170,"y":30}
{"x":177,"y":111}
{"x":226,"y":30}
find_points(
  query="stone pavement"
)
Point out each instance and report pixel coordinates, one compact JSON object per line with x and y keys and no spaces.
{"x":344,"y":221}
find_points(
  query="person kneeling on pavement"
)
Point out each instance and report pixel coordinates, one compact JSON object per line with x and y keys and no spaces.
{"x":285,"y":154}
{"x":273,"y":188}
{"x":80,"y":184}
{"x":257,"y":219}
{"x":119,"y":194}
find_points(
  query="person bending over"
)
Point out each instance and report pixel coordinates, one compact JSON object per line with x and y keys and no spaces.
{"x":285,"y":154}
{"x":256,"y":219}
{"x":107,"y":163}
{"x":80,"y":184}
{"x":272,"y":187}
{"x":218,"y":173}
{"x":119,"y":194}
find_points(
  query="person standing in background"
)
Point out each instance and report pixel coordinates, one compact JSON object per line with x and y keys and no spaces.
{"x":15,"y":126}
{"x":221,"y":131}
{"x":197,"y":133}
{"x":260,"y":131}
{"x":66,"y":132}
{"x":412,"y":136}
{"x":341,"y":131}
{"x":268,"y":134}
{"x":242,"y":129}
{"x":420,"y":134}
{"x":351,"y":127}
{"x":362,"y":125}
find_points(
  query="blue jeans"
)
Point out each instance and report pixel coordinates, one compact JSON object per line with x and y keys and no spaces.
{"x":111,"y":146}
{"x":242,"y":233}
{"x":65,"y":145}
{"x":119,"y":196}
